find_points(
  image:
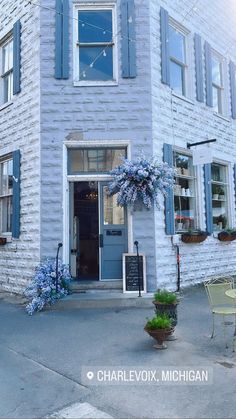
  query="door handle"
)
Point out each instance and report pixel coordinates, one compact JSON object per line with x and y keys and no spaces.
{"x":100,"y":240}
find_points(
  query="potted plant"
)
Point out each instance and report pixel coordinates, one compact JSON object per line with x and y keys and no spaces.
{"x":227,"y":235}
{"x":166,"y":302}
{"x":159,"y":328}
{"x":194,"y":236}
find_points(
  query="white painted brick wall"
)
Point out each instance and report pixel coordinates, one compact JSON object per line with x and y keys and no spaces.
{"x":19,"y":129}
{"x":141,"y":110}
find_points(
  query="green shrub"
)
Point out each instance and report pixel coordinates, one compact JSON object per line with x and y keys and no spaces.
{"x":161,"y":321}
{"x":166,"y":297}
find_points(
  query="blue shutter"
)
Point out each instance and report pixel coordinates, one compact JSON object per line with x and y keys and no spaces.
{"x":165,"y":54}
{"x":208,"y":65}
{"x":128,"y":39}
{"x":16,"y":57}
{"x":16,"y":195}
{"x":62,"y":40}
{"x":235,"y":181}
{"x":208,"y":197}
{"x":198,"y":68}
{"x":232,"y":88}
{"x":169,"y":199}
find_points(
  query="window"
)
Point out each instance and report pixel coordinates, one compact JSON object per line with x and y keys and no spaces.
{"x":94,"y":159}
{"x":6,"y":192}
{"x":184,"y":193}
{"x":7,"y":70}
{"x":217,"y":84}
{"x":95,"y":44}
{"x":178,"y":66}
{"x":219,"y":196}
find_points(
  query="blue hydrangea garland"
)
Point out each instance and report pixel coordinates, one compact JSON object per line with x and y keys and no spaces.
{"x":42,"y":289}
{"x":143,"y":180}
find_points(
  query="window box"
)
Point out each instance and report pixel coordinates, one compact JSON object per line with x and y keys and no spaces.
{"x":194,"y":237}
{"x":3,"y":241}
{"x":227,"y":236}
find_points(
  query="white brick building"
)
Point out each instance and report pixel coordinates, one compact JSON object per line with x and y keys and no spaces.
{"x":83,"y":82}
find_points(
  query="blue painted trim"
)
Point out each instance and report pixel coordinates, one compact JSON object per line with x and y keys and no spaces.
{"x":165,"y":53}
{"x":58,"y":40}
{"x":235,"y":181}
{"x":198,"y":67}
{"x":208,"y":198}
{"x":16,"y":195}
{"x":131,"y":41}
{"x":208,"y":65}
{"x":125,"y":35}
{"x":65,"y":39}
{"x":128,"y":45}
{"x":16,"y":57}
{"x":232,"y":89}
{"x":169,"y":199}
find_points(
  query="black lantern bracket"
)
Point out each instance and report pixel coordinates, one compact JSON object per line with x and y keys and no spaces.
{"x":189,"y":145}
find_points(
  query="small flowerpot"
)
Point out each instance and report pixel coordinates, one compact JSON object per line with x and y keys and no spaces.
{"x":169,"y":309}
{"x":160,"y":336}
{"x":225,"y":236}
{"x":215,"y":196}
{"x":3,"y":241}
{"x":193,"y":238}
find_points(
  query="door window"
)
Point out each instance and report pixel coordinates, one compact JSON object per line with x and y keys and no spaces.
{"x":112,"y":213}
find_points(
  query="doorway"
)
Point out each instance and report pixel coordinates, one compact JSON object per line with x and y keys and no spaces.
{"x":98,"y":232}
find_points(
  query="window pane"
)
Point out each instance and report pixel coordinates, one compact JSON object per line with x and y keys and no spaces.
{"x":6,"y":214}
{"x":113,"y":214}
{"x":184,"y":193}
{"x":219,"y":197}
{"x":7,"y":87}
{"x":218,"y":173}
{"x":216,"y":71}
{"x":7,"y":56}
{"x":94,"y":160}
{"x":177,"y":44}
{"x":95,"y":26}
{"x":102,"y":68}
{"x":177,"y":78}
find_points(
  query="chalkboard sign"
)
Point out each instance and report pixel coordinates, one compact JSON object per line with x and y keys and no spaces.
{"x":130,"y":272}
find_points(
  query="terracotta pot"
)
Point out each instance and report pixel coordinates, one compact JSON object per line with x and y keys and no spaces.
{"x":169,"y":309}
{"x":3,"y":240}
{"x":225,"y":236}
{"x":160,"y":336}
{"x":193,"y":238}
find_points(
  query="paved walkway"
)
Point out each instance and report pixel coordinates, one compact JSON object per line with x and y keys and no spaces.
{"x":44,"y":359}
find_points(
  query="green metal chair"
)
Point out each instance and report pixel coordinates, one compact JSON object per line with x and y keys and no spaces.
{"x":219,"y":302}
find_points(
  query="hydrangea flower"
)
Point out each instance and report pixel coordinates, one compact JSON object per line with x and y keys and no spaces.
{"x":42,"y":289}
{"x":143,"y":180}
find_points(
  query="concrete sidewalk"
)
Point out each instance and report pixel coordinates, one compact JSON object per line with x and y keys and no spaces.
{"x":42,"y":359}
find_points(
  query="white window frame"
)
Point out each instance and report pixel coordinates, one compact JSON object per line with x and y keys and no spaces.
{"x":229,"y":192}
{"x":187,"y":88}
{"x":195,"y":179}
{"x":6,"y":40}
{"x":220,"y":87}
{"x":76,"y":67}
{"x":4,"y":159}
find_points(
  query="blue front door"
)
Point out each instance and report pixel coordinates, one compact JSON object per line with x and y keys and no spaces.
{"x":113,"y":235}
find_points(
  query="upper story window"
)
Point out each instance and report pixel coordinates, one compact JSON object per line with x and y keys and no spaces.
{"x":217,"y":83}
{"x":6,"y":192}
{"x":7,"y":70}
{"x":95,"y":44}
{"x":184,"y":193}
{"x":178,"y":62}
{"x":219,"y":196}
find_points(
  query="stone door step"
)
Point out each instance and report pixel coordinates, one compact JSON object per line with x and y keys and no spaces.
{"x":98,"y":299}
